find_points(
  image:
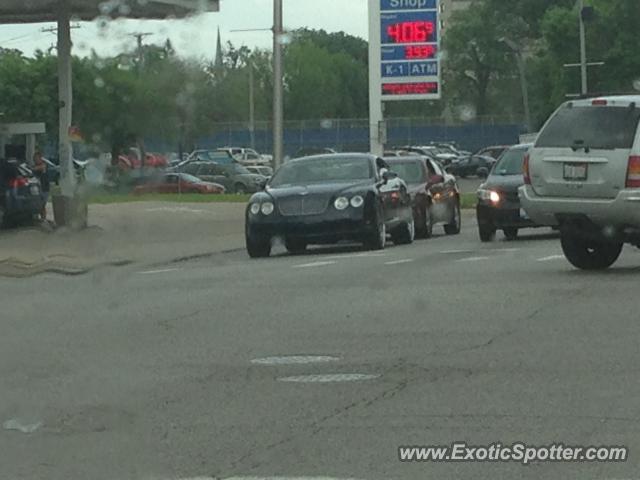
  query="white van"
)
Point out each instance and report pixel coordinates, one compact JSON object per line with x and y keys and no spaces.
{"x":583,"y":177}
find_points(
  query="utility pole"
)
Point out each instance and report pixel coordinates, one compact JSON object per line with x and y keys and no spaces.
{"x":252,"y":108}
{"x":139,"y":37}
{"x":583,"y":49}
{"x":522,"y":71}
{"x":278,"y":109}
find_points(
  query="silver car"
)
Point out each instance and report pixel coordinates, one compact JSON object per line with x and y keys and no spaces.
{"x":583,"y":177}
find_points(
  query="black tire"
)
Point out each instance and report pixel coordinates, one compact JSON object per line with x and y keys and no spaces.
{"x":377,"y":239}
{"x":240,"y":189}
{"x":511,"y":233}
{"x":295,"y":246}
{"x":3,"y":219}
{"x":588,"y":254}
{"x":404,"y":234}
{"x":456,"y":225}
{"x":424,"y":228}
{"x":258,"y":247}
{"x":487,"y":232}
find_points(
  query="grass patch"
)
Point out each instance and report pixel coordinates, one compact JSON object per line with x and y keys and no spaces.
{"x":107,"y":199}
{"x":468,"y":200}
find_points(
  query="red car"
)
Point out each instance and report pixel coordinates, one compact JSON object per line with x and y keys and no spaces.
{"x":179,"y":183}
{"x":131,"y":161}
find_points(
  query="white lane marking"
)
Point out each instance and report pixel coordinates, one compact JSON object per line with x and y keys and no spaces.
{"x":505,"y":250}
{"x":294,"y":360}
{"x":280,"y":478}
{"x":455,"y":252}
{"x":329,"y":378}
{"x":400,"y":262}
{"x":473,"y":259}
{"x":551,"y":258}
{"x":154,"y":272}
{"x":175,"y":210}
{"x":314,"y":264}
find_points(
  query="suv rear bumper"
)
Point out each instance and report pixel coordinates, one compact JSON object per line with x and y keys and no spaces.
{"x":621,"y":212}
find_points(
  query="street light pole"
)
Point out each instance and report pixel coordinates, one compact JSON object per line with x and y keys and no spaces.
{"x":583,"y":49}
{"x":524,"y":84}
{"x":252,"y":108}
{"x":278,"y":113}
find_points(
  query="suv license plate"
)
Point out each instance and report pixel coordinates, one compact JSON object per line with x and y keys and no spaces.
{"x":576,"y":171}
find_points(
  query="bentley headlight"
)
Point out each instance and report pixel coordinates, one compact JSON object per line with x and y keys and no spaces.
{"x":255,"y":208}
{"x":267,"y":208}
{"x":341,"y":203}
{"x":357,"y":201}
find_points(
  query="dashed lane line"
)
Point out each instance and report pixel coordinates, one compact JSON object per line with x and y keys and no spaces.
{"x":400,"y":262}
{"x":551,"y":258}
{"x":314,"y":264}
{"x":472,"y":259}
{"x":155,"y":272}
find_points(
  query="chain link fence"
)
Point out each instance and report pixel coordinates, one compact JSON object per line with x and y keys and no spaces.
{"x":353,"y":134}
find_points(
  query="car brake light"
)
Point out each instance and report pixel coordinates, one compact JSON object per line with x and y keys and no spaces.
{"x":599,"y":103}
{"x":633,"y":172}
{"x":525,"y":170}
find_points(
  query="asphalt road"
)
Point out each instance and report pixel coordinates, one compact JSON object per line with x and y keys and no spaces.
{"x":147,"y":374}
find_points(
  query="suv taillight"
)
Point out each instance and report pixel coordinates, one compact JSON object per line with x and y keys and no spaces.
{"x":525,"y":170}
{"x":633,"y":172}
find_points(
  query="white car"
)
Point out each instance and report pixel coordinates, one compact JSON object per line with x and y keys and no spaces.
{"x":583,"y":177}
{"x":248,"y":156}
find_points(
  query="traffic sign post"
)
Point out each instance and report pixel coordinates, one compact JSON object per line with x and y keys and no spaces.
{"x":404,"y":56}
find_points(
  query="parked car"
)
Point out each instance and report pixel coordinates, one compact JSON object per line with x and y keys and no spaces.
{"x":248,"y":156}
{"x":329,"y":198}
{"x":132,"y":160}
{"x":444,"y":156}
{"x":583,"y":177}
{"x":20,"y":193}
{"x":498,"y":203}
{"x":474,"y":166}
{"x":494,"y":151}
{"x":264,"y":171}
{"x":178,"y":183}
{"x":234,"y":178}
{"x":309,"y":151}
{"x":222,"y":157}
{"x":435,"y":196}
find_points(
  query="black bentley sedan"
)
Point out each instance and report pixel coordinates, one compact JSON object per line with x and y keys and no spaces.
{"x":325,"y":199}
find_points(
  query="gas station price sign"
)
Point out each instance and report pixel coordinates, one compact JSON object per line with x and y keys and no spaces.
{"x":409,"y":49}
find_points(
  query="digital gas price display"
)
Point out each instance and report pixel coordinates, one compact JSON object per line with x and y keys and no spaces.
{"x":409,"y":49}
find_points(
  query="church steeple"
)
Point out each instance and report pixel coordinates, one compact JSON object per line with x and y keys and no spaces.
{"x":218,"y":62}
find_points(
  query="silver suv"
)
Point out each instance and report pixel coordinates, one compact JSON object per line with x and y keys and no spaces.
{"x":583,"y":177}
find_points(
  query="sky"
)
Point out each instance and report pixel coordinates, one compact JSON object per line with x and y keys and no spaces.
{"x":196,"y":37}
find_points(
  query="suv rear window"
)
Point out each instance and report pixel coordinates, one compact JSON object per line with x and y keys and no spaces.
{"x":599,"y":127}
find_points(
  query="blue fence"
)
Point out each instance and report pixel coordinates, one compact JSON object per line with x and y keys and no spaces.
{"x":353,"y":135}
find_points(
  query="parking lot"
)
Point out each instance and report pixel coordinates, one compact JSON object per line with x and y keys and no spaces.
{"x":159,"y":372}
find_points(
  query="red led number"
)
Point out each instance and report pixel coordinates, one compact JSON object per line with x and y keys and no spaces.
{"x":423,"y":51}
{"x":411,"y":32}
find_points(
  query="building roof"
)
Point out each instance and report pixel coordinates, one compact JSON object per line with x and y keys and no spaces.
{"x":36,"y":11}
